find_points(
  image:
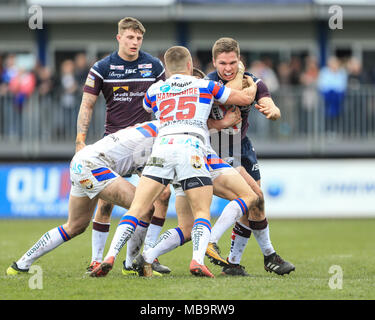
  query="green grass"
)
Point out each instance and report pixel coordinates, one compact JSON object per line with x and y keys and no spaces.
{"x":313,"y":246}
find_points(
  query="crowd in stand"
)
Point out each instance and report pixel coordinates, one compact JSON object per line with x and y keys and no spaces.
{"x":65,"y":83}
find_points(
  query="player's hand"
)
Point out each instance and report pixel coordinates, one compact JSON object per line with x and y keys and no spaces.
{"x":250,"y":81}
{"x":270,"y":112}
{"x":232,"y":117}
{"x":80,"y":145}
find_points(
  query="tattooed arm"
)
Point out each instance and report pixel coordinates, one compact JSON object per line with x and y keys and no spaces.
{"x":84,"y":118}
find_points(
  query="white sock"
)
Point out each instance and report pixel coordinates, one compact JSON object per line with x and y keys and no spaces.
{"x":100,"y":232}
{"x":261,"y":233}
{"x":168,"y":241}
{"x":200,"y":236}
{"x":135,"y":243}
{"x":49,"y":241}
{"x":124,"y":231}
{"x":153,"y":232}
{"x":240,"y":237}
{"x":232,"y":212}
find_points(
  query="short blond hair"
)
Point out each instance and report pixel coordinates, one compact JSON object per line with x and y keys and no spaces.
{"x":130,"y":23}
{"x":225,"y":45}
{"x":176,"y":59}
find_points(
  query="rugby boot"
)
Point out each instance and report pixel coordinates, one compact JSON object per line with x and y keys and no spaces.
{"x":13,"y":270}
{"x":213,"y":254}
{"x":232,"y":269}
{"x":200,"y":270}
{"x":103,"y":269}
{"x":274,"y":263}
{"x":132,"y":272}
{"x":143,"y":268}
{"x":158,"y":267}
{"x":92,"y":266}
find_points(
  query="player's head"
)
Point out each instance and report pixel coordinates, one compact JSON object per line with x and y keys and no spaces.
{"x":198,"y":73}
{"x":178,"y":60}
{"x":225,"y":58}
{"x":130,"y":38}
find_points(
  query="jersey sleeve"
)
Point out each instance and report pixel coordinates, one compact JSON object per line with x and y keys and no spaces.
{"x":94,"y":81}
{"x":160,"y":71}
{"x":262,"y":89}
{"x":149,"y":102}
{"x":219,"y":92}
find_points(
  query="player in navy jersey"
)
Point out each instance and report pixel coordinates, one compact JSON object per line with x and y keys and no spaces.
{"x":226,"y":60}
{"x":123,"y":77}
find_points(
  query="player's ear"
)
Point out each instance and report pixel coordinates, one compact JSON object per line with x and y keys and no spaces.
{"x":214,"y":62}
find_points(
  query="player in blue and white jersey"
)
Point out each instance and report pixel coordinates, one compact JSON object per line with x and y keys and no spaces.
{"x":96,"y":173}
{"x":182,"y":104}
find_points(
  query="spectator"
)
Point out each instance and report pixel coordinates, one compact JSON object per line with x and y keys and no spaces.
{"x":81,"y":69}
{"x":68,"y":101}
{"x":310,"y":98}
{"x":283,"y":73}
{"x":308,"y":79}
{"x":332,"y":83}
{"x":295,"y":67}
{"x":9,"y":71}
{"x":355,"y":74}
{"x":264,"y":72}
{"x":44,"y":80}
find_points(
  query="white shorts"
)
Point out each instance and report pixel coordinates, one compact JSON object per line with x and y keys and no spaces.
{"x":217,"y":167}
{"x":177,"y":157}
{"x":89,"y":177}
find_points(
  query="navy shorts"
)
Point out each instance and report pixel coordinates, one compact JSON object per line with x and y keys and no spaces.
{"x":249,"y":158}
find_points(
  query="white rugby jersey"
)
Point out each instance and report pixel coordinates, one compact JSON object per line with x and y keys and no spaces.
{"x":125,"y":150}
{"x":183,"y":103}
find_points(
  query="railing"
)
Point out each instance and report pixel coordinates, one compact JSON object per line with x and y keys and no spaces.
{"x":45,"y":126}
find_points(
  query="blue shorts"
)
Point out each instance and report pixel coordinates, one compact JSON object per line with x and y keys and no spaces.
{"x":249,"y":158}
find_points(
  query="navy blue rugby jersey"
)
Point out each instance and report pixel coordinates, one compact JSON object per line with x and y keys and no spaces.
{"x":124,"y":84}
{"x":262,"y":91}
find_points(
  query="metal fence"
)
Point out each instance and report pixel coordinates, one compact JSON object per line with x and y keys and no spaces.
{"x":45,"y":126}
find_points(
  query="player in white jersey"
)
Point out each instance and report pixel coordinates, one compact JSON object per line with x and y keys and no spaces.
{"x":95,"y":173}
{"x":182,"y":103}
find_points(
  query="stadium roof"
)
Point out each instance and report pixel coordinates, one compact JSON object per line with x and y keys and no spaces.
{"x":185,"y":10}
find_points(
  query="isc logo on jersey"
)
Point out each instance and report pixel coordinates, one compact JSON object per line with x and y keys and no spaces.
{"x":218,"y":112}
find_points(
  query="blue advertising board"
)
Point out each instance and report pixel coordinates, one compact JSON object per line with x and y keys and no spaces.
{"x":41,"y":190}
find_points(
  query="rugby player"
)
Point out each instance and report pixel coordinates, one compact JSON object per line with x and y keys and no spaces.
{"x":96,"y":173}
{"x":226,"y":59}
{"x":182,"y":104}
{"x":123,"y":77}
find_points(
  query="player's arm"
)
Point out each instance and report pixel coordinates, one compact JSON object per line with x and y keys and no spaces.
{"x":237,"y":82}
{"x":268,"y":108}
{"x":231,"y":118}
{"x":84,"y":118}
{"x":243,"y":97}
{"x":149,"y":102}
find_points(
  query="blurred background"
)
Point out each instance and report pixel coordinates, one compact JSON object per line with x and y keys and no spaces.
{"x":316,"y":161}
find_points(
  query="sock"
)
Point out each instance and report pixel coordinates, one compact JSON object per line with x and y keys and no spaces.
{"x":200,"y":236}
{"x":124,"y":231}
{"x":49,"y":241}
{"x":153,"y":232}
{"x":168,"y":241}
{"x":233,"y":211}
{"x":100,"y":232}
{"x":135,"y":243}
{"x":261,"y":233}
{"x":240,"y":236}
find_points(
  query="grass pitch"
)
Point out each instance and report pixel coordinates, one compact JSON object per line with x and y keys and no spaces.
{"x":313,"y":246}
